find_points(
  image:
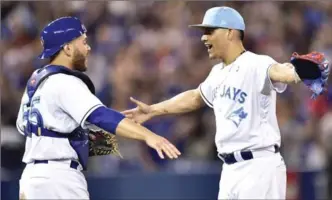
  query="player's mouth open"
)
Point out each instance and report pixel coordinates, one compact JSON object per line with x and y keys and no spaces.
{"x":208,"y":46}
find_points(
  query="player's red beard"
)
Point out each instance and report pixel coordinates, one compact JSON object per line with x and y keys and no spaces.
{"x":79,"y":61}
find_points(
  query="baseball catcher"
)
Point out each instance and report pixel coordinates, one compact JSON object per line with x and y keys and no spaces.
{"x":313,"y":69}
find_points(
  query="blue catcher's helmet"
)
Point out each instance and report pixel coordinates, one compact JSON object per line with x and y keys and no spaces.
{"x":58,"y":33}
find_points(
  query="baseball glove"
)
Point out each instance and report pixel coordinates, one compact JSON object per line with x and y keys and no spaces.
{"x":103,"y":143}
{"x":313,"y":69}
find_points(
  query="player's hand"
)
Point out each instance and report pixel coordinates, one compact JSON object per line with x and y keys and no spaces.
{"x":162,"y":145}
{"x":140,"y":114}
{"x":92,"y":137}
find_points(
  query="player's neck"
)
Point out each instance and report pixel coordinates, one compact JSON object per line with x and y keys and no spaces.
{"x":62,"y":62}
{"x":233,"y":53}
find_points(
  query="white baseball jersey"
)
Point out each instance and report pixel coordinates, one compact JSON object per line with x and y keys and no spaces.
{"x":244,"y":103}
{"x":64,"y":102}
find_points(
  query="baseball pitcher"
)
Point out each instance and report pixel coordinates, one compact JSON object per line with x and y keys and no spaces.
{"x":242,"y":92}
{"x":59,"y":112}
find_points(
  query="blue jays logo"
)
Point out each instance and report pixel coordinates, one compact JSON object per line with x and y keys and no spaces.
{"x":237,"y":116}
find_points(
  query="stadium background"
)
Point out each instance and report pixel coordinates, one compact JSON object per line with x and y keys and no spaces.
{"x":145,"y":49}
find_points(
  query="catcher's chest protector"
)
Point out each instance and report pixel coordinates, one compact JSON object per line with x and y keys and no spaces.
{"x":79,"y":137}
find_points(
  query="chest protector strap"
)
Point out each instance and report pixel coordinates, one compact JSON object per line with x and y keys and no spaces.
{"x":79,"y":137}
{"x":40,"y":75}
{"x":33,"y":83}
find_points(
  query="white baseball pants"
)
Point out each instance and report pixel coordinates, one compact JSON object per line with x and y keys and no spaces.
{"x":54,"y":180}
{"x":258,"y":178}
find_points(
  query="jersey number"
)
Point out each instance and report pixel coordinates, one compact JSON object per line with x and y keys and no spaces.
{"x":32,"y":117}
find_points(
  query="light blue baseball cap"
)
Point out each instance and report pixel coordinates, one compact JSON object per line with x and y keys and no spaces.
{"x":222,"y":17}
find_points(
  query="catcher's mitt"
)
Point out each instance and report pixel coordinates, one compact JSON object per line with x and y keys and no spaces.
{"x":102,"y":143}
{"x":313,"y":69}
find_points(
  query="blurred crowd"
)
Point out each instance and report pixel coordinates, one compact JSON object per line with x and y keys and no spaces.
{"x":145,"y":49}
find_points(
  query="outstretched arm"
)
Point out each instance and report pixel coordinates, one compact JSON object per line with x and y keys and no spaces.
{"x":114,"y":122}
{"x":312,"y":69}
{"x":284,"y":73}
{"x":181,"y":103}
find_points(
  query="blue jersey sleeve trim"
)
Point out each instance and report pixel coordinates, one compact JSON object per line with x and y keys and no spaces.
{"x":105,"y":118}
{"x":88,"y":113}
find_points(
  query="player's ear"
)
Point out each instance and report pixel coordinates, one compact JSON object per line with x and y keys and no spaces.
{"x":230,"y":34}
{"x":67,"y":49}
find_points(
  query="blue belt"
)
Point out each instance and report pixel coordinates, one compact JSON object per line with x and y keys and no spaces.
{"x":229,"y":158}
{"x":73,"y":164}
